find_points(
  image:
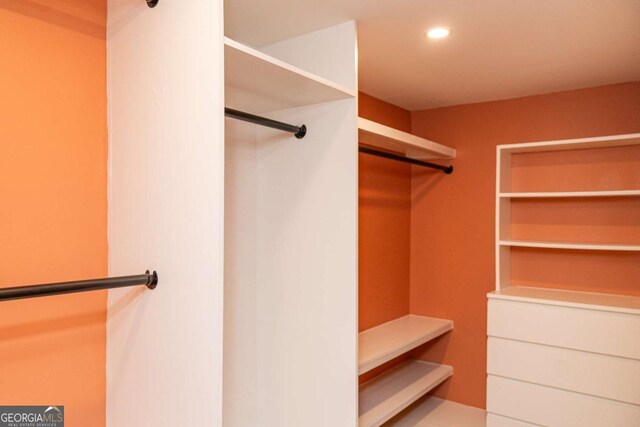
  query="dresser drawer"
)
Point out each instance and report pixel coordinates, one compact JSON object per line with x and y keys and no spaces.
{"x":604,"y":332}
{"x":552,"y":407}
{"x":595,"y":374}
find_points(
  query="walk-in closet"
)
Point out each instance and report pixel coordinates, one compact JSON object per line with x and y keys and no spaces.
{"x":340,"y":213}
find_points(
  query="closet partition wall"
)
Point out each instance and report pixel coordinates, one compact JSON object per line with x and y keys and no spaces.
{"x":291,"y":234}
{"x":279,"y":212}
{"x":165,"y":89}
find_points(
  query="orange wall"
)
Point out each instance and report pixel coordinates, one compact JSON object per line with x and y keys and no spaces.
{"x":452,"y":217}
{"x":384,"y":215}
{"x":53,"y":209}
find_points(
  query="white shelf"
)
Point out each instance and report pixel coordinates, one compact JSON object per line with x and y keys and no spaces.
{"x":436,"y":412}
{"x":572,"y":144}
{"x":389,"y":340}
{"x":377,"y":135}
{"x":572,"y":246}
{"x":586,"y":300}
{"x":560,"y":194}
{"x":388,"y":394}
{"x":258,"y":83}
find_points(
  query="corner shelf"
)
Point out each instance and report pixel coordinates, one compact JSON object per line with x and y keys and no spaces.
{"x":381,"y":136}
{"x":576,"y":299}
{"x":389,"y":340}
{"x":571,"y":246}
{"x":388,"y":394}
{"x":562,"y":194}
{"x":257,"y":82}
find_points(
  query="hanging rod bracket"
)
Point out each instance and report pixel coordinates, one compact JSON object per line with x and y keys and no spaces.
{"x":301,"y":133}
{"x":153,"y":279}
{"x":152,"y":3}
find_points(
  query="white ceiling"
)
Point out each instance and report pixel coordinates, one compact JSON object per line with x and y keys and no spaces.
{"x":498,"y":49}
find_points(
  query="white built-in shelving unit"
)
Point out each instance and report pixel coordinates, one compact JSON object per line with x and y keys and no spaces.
{"x":505,"y":196}
{"x":560,"y":357}
{"x":396,"y":391}
{"x":412,"y":146}
{"x":291,"y":232}
{"x":291,"y":267}
{"x":386,"y":395}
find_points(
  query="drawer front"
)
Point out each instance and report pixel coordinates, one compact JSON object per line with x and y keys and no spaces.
{"x":603,"y":332}
{"x":599,"y":375}
{"x":494,"y":420}
{"x":552,"y":407}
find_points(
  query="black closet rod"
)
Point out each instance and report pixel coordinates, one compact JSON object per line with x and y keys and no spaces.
{"x":445,"y":169}
{"x":297,"y":131}
{"x":150,"y":280}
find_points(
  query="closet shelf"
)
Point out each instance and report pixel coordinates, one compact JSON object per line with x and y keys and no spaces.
{"x":573,"y":246}
{"x":377,"y":135}
{"x":257,"y":82}
{"x":561,"y":194}
{"x":389,"y":340}
{"x":573,"y":144}
{"x":575,"y":299}
{"x":388,"y":394}
{"x":434,"y":411}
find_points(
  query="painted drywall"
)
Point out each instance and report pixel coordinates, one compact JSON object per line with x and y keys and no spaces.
{"x":452,"y":217}
{"x":166,"y":153}
{"x":383,"y":224}
{"x":53,"y":209}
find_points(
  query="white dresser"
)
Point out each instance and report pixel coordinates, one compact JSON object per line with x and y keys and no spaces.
{"x":563,"y":358}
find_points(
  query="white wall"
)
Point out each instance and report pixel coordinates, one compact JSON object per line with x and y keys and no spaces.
{"x":165,"y":86}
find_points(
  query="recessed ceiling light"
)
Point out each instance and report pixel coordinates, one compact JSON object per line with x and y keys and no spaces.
{"x":438,"y":33}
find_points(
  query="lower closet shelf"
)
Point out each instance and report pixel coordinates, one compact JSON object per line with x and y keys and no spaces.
{"x":389,"y":340}
{"x":436,"y":412}
{"x":388,"y":394}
